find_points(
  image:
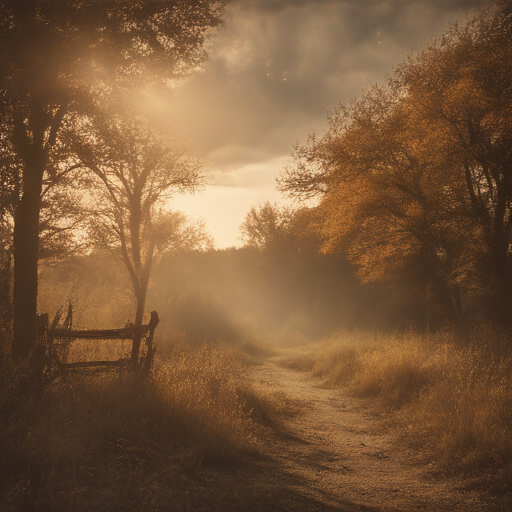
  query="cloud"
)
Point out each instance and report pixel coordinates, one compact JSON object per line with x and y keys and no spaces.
{"x":277,"y":67}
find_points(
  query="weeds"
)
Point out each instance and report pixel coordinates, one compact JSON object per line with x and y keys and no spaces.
{"x":114,"y":442}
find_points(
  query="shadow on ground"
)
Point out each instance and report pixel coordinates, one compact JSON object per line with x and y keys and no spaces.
{"x":260,"y":484}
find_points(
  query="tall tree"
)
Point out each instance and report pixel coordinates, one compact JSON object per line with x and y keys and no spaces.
{"x":417,"y":174}
{"x":381,"y":200}
{"x":462,"y":85}
{"x":135,"y":172}
{"x":55,"y":55}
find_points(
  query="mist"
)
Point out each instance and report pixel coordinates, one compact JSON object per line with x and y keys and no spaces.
{"x":281,"y":297}
{"x":231,"y":294}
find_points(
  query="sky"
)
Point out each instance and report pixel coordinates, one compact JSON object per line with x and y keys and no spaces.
{"x":274,"y":71}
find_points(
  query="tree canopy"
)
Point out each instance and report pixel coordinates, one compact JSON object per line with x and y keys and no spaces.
{"x":413,"y":179}
{"x":59,"y":57}
{"x":269,"y":227}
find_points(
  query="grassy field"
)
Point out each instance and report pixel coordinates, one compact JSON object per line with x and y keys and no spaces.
{"x":450,"y":395}
{"x":113,"y":441}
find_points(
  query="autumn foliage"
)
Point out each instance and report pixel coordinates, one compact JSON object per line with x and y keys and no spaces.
{"x":414,"y":179}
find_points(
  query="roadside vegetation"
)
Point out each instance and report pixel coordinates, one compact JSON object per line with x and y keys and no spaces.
{"x":449,"y":395}
{"x":109,"y":441}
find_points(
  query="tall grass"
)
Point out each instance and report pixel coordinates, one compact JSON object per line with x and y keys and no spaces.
{"x":115,"y":442}
{"x":451,"y":395}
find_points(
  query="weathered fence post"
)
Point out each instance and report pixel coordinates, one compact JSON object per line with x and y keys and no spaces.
{"x":38,"y":358}
{"x":150,"y":354}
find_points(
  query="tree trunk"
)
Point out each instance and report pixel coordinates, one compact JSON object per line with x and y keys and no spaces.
{"x":25,"y":252}
{"x":141,"y":295}
{"x":32,"y":138}
{"x":500,"y":271}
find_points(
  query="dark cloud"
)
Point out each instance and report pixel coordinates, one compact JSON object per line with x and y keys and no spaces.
{"x":275,"y":5}
{"x":278,"y":65}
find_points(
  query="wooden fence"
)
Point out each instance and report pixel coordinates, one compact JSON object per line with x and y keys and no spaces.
{"x":54,"y":332}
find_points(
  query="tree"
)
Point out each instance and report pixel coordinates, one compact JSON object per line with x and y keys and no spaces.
{"x":55,"y":56}
{"x":136,"y":170}
{"x":270,"y":227}
{"x":265,"y":226}
{"x":381,"y":201}
{"x":414,"y":178}
{"x":463,"y":85}
{"x":58,"y":216}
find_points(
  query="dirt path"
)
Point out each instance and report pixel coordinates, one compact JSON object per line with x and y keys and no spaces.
{"x":337,"y":454}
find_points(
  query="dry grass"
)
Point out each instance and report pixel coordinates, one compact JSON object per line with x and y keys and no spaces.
{"x":115,"y":442}
{"x":452,"y":396}
{"x":81,"y":350}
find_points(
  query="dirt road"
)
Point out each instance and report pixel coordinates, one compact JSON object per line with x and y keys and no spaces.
{"x":337,"y":453}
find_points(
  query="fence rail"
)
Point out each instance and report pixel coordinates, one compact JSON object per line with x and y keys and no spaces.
{"x":95,"y":364}
{"x":126,"y":333}
{"x":122,"y":334}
